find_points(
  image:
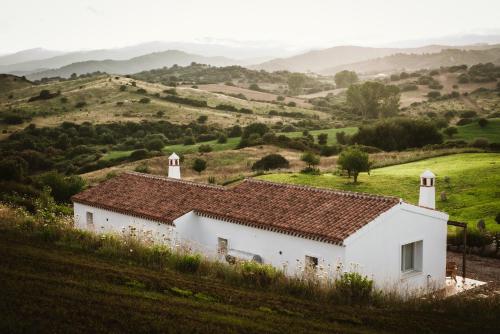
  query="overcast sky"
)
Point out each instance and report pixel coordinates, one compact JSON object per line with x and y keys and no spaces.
{"x":89,"y":24}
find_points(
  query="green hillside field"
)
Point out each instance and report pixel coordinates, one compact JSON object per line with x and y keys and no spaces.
{"x":472,"y":189}
{"x":472,"y":131}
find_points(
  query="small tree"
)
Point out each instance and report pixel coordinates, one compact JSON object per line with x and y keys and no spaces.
{"x":354,"y":161}
{"x":204,"y":148}
{"x":310,"y":159}
{"x":222,"y":139}
{"x":202,"y":119}
{"x":482,"y":122}
{"x":322,"y":138}
{"x":271,"y":161}
{"x":450,"y":131}
{"x":199,"y":165}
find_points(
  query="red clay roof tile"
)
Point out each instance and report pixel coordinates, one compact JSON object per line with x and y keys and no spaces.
{"x":309,"y":212}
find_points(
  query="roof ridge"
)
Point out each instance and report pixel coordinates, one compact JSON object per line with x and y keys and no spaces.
{"x":325,"y":190}
{"x":169,"y":179}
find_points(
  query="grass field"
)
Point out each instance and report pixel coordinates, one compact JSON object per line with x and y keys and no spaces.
{"x":472,"y":191}
{"x":55,"y":287}
{"x":472,"y":131}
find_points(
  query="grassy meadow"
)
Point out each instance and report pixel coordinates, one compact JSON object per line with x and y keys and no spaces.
{"x":472,"y":131}
{"x":472,"y":189}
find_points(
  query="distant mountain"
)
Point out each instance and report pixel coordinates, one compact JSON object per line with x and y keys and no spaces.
{"x":36,"y":60}
{"x":451,"y":40}
{"x":27,"y":56}
{"x":319,"y":60}
{"x":412,"y":62}
{"x":134,"y":65}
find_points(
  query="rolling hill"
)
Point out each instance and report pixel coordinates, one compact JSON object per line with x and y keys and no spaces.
{"x":413,"y":62}
{"x":134,"y":65}
{"x":332,"y":58}
{"x":27,"y":56}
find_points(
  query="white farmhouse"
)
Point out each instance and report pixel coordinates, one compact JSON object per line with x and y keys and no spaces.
{"x":291,"y":227}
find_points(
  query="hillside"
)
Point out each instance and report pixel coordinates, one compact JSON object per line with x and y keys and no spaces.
{"x":55,"y":284}
{"x":26,"y":56}
{"x":413,"y":62}
{"x":11,"y":82}
{"x":325,"y":60}
{"x":134,"y":65}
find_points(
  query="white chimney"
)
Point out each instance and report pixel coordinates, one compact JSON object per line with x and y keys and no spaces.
{"x":427,"y":196}
{"x":174,"y":167}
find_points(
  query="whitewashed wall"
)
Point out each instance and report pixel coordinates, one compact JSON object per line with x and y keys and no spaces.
{"x":204,"y":233}
{"x":112,"y":222}
{"x":376,"y":248}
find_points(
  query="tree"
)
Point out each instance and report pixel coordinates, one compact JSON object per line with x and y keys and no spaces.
{"x":13,"y":169}
{"x":199,"y":165}
{"x":235,"y":131}
{"x":155,"y":144}
{"x":482,"y":122}
{"x":202,"y":119}
{"x":322,"y":138}
{"x":222,"y":139}
{"x":271,"y":161}
{"x":295,"y":83}
{"x":450,"y":131}
{"x":354,"y":161}
{"x":62,"y":188}
{"x":310,"y":159}
{"x":345,"y":79}
{"x":342,"y":137}
{"x":374,"y":99}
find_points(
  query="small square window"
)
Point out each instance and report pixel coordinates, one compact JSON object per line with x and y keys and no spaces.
{"x":221,"y":246}
{"x":311,"y":262}
{"x":411,"y":257}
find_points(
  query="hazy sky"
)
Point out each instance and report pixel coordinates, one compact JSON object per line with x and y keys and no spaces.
{"x":86,"y":24}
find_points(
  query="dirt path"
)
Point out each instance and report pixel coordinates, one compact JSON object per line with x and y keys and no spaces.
{"x":481,"y":268}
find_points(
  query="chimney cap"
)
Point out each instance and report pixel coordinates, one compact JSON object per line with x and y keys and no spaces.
{"x":428,"y":174}
{"x":173,"y":156}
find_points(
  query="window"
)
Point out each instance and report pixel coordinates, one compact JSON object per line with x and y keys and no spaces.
{"x":221,"y":246}
{"x":311,"y":262}
{"x":411,"y":257}
{"x":90,"y":220}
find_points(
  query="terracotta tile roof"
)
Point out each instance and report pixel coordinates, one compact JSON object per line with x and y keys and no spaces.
{"x":309,"y":212}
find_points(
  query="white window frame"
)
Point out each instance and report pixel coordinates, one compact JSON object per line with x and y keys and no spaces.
{"x":417,"y":258}
{"x":89,"y":220}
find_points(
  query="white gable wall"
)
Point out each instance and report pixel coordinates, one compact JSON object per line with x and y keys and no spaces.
{"x":376,"y":248}
{"x":203,"y":233}
{"x":106,"y":221}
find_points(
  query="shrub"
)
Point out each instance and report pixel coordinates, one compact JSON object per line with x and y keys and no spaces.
{"x":271,"y":161}
{"x":199,"y":165}
{"x":480,"y":143}
{"x":322,"y":138}
{"x":189,"y":140}
{"x":80,"y":104}
{"x":13,"y":169}
{"x":353,"y":288}
{"x":139,"y":155}
{"x":145,"y":100}
{"x":202,"y":119}
{"x":482,"y":122}
{"x":450,"y":131}
{"x":188,"y":263}
{"x":62,"y":187}
{"x":205,"y":148}
{"x":328,"y":151}
{"x":12,"y":119}
{"x":222,"y":139}
{"x":143,"y":168}
{"x":433,"y":94}
{"x":155,"y":144}
{"x":464,"y":121}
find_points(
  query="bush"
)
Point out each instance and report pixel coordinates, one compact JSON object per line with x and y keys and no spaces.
{"x":205,"y":148}
{"x":222,"y":139}
{"x":271,"y":161}
{"x":450,"y":131}
{"x":353,"y":288}
{"x":13,"y":169}
{"x":80,"y":104}
{"x":189,"y":140}
{"x":322,"y":138}
{"x":480,"y":143}
{"x":62,"y":187}
{"x":199,"y":165}
{"x":188,"y":263}
{"x":483,"y":122}
{"x":145,"y":100}
{"x":433,"y":94}
{"x":13,"y":119}
{"x":139,"y":155}
{"x":464,"y":121}
{"x":398,"y":134}
{"x":155,"y":144}
{"x":202,"y":119}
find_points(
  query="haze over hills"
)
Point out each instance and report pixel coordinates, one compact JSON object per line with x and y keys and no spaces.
{"x":36,"y":60}
{"x":134,"y":65}
{"x":320,"y":60}
{"x":413,"y":62}
{"x":27,"y":56}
